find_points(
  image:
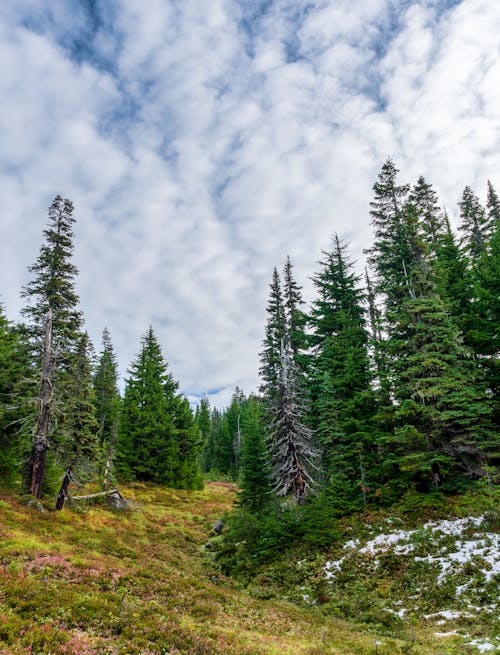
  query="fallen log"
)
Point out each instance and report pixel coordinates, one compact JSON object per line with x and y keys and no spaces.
{"x":112,"y":497}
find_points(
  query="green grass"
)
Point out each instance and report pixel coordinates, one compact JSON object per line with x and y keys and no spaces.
{"x":93,"y":581}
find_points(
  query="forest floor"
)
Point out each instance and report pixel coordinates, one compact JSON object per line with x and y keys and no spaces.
{"x":92,"y":581}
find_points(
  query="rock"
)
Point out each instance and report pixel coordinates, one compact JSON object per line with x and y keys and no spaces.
{"x":218,"y":526}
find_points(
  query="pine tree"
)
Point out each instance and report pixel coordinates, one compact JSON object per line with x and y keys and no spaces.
{"x":189,"y":440}
{"x":453,"y":283}
{"x":474,"y":225}
{"x":424,"y":200}
{"x":78,"y":450}
{"x":493,"y":209}
{"x":147,"y":448}
{"x":389,"y":255}
{"x":292,"y":455}
{"x":203,"y":421}
{"x":295,"y":318}
{"x":53,"y":284}
{"x":107,"y":402}
{"x":270,"y":358}
{"x":13,"y":367}
{"x":345,"y":401}
{"x":54,"y":329}
{"x":441,"y":415}
{"x":256,"y":487}
{"x":484,"y":325}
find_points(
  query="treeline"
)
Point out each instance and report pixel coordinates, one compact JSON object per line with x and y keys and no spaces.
{"x":389,"y":383}
{"x":62,"y":419}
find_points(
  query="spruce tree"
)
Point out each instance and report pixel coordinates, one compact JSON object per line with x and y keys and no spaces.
{"x":256,"y":487}
{"x":147,"y":448}
{"x":189,"y":444}
{"x":107,"y":402}
{"x":13,"y":368}
{"x":203,"y":421}
{"x":389,"y":256}
{"x":270,"y":357}
{"x":53,"y":283}
{"x":474,"y":225}
{"x":78,"y":449}
{"x":295,"y":319}
{"x":442,"y":416}
{"x":345,"y":402}
{"x":293,"y":457}
{"x":54,"y":323}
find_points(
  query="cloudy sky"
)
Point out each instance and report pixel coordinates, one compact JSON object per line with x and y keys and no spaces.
{"x":201,"y":141}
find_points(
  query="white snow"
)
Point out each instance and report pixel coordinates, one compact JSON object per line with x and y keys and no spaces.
{"x":483,"y":645}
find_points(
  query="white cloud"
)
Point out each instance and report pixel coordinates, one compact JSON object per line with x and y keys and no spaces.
{"x":204,"y":149}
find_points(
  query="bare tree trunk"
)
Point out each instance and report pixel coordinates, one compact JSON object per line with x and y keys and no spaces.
{"x":40,"y":441}
{"x":63,"y":491}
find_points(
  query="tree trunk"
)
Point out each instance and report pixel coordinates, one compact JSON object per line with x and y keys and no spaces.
{"x":63,"y":491}
{"x":40,"y":441}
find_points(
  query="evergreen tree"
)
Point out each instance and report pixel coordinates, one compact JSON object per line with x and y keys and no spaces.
{"x":474,"y":225}
{"x":441,"y":414}
{"x":484,"y":325}
{"x":107,"y":402}
{"x":53,"y":284}
{"x":424,"y":200}
{"x":54,"y":330}
{"x":203,"y":421}
{"x":147,"y":448}
{"x":13,"y":367}
{"x":189,"y":439}
{"x":78,"y":449}
{"x":389,"y":256}
{"x":345,"y":401}
{"x":292,"y":456}
{"x":452,"y":278}
{"x":270,"y":358}
{"x":255,"y":474}
{"x":295,"y":318}
{"x":492,"y":208}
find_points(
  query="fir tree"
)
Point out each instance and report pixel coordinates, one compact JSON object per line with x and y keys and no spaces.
{"x":203,"y":421}
{"x":424,"y":200}
{"x":389,"y":256}
{"x":345,"y":402}
{"x":474,"y":225}
{"x":54,"y":330}
{"x":295,"y":318}
{"x":255,"y":474}
{"x":292,"y":456}
{"x":147,"y":448}
{"x":493,"y":209}
{"x":270,"y":358}
{"x":189,"y":440}
{"x":53,"y":284}
{"x":107,"y":402}
{"x":442,"y":415}
{"x":78,"y":450}
{"x":13,"y":368}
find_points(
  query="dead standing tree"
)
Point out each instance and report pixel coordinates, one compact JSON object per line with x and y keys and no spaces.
{"x":38,"y":457}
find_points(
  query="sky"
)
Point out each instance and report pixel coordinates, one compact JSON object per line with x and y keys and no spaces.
{"x":201,"y":142}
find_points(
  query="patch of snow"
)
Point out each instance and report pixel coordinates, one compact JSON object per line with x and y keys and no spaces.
{"x":445,"y":634}
{"x":331,"y":568}
{"x":352,"y":543}
{"x":449,"y":615}
{"x":483,"y":645}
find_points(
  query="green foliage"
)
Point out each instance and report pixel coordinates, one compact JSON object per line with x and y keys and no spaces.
{"x":107,"y":397}
{"x":14,"y":441}
{"x":255,"y":471}
{"x":158,"y":439}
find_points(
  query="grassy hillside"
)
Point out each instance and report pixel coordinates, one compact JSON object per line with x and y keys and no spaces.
{"x":95,"y":581}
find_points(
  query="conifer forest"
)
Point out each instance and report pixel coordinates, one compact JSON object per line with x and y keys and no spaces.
{"x":382,"y":393}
